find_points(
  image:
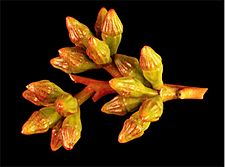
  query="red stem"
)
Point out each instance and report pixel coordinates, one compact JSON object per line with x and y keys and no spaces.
{"x":101,"y":88}
{"x":83,"y":95}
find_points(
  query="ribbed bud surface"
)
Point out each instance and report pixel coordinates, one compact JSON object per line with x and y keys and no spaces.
{"x":71,"y":130}
{"x":42,"y":92}
{"x":99,"y":21}
{"x":133,"y":128}
{"x":120,"y":105}
{"x":129,"y":67}
{"x":98,"y":51}
{"x":131,"y":87}
{"x":78,"y":32}
{"x":151,"y":65}
{"x":151,"y":109}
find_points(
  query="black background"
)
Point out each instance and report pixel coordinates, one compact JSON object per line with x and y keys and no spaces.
{"x":187,"y":35}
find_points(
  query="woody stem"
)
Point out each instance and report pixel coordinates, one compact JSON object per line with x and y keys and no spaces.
{"x":171,"y":91}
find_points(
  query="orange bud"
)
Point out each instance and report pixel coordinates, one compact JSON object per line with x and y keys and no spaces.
{"x":129,"y":67}
{"x":151,"y":65}
{"x":78,"y":32}
{"x":71,"y":130}
{"x":112,"y":30}
{"x":120,"y":105}
{"x":37,"y":123}
{"x":72,"y":60}
{"x":99,"y":21}
{"x":112,"y":25}
{"x":98,"y":51}
{"x":151,"y":109}
{"x":56,"y":138}
{"x":133,"y":128}
{"x":131,"y":87}
{"x":42,"y":92}
{"x":40,"y":121}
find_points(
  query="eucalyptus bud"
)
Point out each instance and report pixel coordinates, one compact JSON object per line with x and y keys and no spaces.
{"x":120,"y":105}
{"x":66,"y":104}
{"x":56,"y":138}
{"x":112,"y":30}
{"x":72,"y":60}
{"x":40,"y":121}
{"x":151,"y":65}
{"x":129,"y":67}
{"x":78,"y":32}
{"x":133,"y":128}
{"x":42,"y":92}
{"x":98,"y":51}
{"x":151,"y":109}
{"x":71,"y":130}
{"x":131,"y":87}
{"x":99,"y":21}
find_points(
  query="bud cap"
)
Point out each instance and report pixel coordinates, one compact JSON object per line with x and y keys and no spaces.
{"x":131,"y":87}
{"x":71,"y":130}
{"x":72,"y":60}
{"x":112,"y":25}
{"x":98,"y":51}
{"x":151,"y":65}
{"x":120,"y":105}
{"x":133,"y":128}
{"x":99,"y":21}
{"x":78,"y":32}
{"x":151,"y":109}
{"x":42,"y":92}
{"x":129,"y":67}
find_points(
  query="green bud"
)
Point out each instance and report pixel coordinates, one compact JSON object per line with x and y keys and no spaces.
{"x":98,"y":51}
{"x":129,"y":67}
{"x":151,"y":65}
{"x":72,"y":60}
{"x":66,"y":104}
{"x":40,"y":121}
{"x":133,"y":128}
{"x":120,"y":105}
{"x":131,"y":87}
{"x":51,"y":115}
{"x":112,"y":30}
{"x":151,"y":109}
{"x":71,"y":130}
{"x":113,"y":42}
{"x":99,"y":21}
{"x":42,"y":92}
{"x":78,"y":32}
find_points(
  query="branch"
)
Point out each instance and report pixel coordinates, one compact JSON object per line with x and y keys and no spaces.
{"x":101,"y":88}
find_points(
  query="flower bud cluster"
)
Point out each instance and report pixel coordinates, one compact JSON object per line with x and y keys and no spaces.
{"x":99,"y":49}
{"x":138,"y":88}
{"x":139,"y":84}
{"x":60,"y":107}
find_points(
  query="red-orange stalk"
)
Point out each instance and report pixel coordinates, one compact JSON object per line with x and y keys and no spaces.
{"x":98,"y":88}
